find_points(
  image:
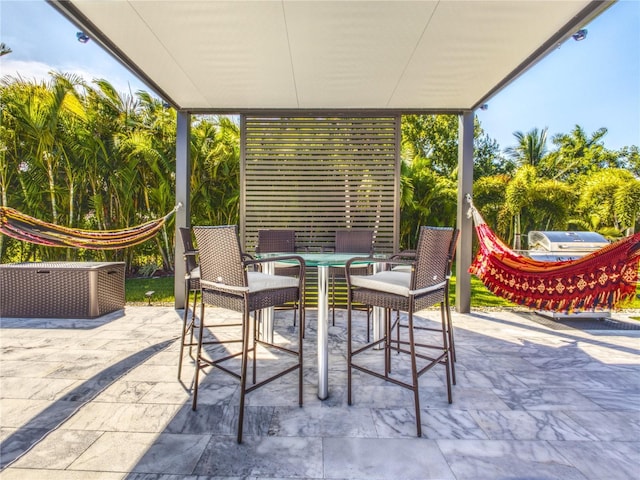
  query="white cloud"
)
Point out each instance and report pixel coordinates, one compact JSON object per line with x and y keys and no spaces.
{"x":39,"y":71}
{"x":27,"y":70}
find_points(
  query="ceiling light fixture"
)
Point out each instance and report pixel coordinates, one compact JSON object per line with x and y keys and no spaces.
{"x":580,"y":35}
{"x":82,"y":37}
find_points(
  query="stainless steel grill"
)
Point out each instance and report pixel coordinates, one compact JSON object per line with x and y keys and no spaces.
{"x":553,"y":246}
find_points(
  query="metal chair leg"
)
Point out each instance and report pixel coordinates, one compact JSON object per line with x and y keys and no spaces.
{"x":184,"y":332}
{"x":193,"y":321}
{"x":243,"y":374}
{"x":300,"y":356}
{"x":414,"y":375}
{"x":447,"y":351}
{"x":387,"y":342}
{"x":349,"y":350}
{"x":186,"y":326}
{"x":256,"y":320}
{"x":198,"y":355}
{"x":452,"y":346}
{"x":333,"y":299}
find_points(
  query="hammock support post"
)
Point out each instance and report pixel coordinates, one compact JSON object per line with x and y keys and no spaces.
{"x":183,"y":195}
{"x":464,"y":252}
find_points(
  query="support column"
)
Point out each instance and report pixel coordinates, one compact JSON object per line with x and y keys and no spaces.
{"x":465,"y":186}
{"x":323,"y":332}
{"x":183,"y":195}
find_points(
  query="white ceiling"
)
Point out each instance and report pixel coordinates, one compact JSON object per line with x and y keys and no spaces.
{"x":447,"y":55}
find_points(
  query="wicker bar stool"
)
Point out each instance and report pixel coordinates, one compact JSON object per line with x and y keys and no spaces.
{"x":410,"y":255}
{"x":227,"y":281}
{"x":191,"y":285}
{"x":425,"y":285}
{"x":350,"y":241}
{"x":280,"y":241}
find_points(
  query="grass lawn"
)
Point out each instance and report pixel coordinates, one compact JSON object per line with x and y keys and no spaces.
{"x":136,"y":288}
{"x":482,"y":297}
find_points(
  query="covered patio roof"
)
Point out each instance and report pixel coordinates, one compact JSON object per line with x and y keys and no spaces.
{"x":418,"y":56}
{"x":431,"y":55}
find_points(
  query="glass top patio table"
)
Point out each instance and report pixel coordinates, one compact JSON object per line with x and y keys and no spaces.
{"x":322,"y":261}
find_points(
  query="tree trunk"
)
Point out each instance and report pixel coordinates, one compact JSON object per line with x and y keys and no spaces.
{"x":517,"y":245}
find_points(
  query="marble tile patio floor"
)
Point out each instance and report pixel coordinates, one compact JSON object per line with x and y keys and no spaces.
{"x":99,"y":399}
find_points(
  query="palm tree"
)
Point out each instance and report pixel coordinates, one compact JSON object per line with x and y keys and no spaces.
{"x":610,"y":201}
{"x":109,"y":116}
{"x":433,"y":138}
{"x":159,"y":122}
{"x":578,"y":154}
{"x":7,"y":147}
{"x":517,"y":195}
{"x":531,"y":147}
{"x":537,"y":203}
{"x":38,"y":114}
{"x":489,"y":199}
{"x":215,"y":177}
{"x":432,"y":201}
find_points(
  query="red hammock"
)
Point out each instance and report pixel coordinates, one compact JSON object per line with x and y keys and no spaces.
{"x":29,"y":229}
{"x":601,"y":280}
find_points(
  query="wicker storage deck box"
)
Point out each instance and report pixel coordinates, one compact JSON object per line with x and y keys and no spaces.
{"x":61,"y":289}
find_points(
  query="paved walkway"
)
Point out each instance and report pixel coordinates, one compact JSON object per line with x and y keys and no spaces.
{"x":99,"y":399}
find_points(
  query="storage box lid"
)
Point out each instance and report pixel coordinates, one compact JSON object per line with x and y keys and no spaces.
{"x":61,"y":265}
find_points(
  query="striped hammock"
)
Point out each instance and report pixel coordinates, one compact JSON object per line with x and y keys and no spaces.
{"x":600,"y":280}
{"x":23,"y":227}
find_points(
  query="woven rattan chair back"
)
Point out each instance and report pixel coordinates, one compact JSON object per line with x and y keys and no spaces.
{"x":187,"y":243}
{"x":350,"y":241}
{"x":354,"y":241}
{"x":270,"y":241}
{"x":280,"y":241}
{"x":433,"y":254}
{"x":220,"y":255}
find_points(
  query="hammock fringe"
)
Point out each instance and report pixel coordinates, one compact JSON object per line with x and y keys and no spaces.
{"x":29,"y":229}
{"x":601,"y":280}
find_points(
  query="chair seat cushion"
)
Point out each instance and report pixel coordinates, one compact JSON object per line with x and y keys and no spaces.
{"x":389,"y":281}
{"x":286,"y":265}
{"x":195,"y":273}
{"x":261,"y":281}
{"x":394,"y":282}
{"x":402,"y":268}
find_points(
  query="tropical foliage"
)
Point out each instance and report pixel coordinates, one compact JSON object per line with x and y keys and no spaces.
{"x":580,"y":185}
{"x":85,"y":156}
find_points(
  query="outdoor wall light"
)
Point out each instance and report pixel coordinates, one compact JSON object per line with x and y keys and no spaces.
{"x":82,"y":37}
{"x":580,"y":35}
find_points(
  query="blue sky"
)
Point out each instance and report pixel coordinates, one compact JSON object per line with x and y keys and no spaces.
{"x":594,"y":83}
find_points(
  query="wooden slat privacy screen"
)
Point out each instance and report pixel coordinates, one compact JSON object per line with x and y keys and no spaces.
{"x":316,"y":174}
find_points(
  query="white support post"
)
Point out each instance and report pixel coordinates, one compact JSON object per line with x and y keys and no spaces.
{"x":465,"y":186}
{"x":183,"y":195}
